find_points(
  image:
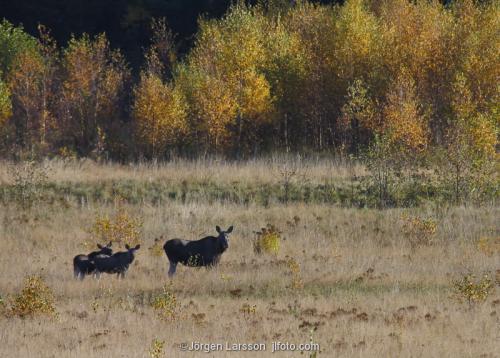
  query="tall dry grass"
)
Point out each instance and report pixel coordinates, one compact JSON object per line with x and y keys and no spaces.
{"x":366,"y":290}
{"x":263,"y":170}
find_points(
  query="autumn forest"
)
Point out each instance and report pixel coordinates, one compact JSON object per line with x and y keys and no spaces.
{"x":392,"y":77}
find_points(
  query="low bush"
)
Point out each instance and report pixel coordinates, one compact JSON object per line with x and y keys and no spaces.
{"x":121,"y":228}
{"x":35,"y":298}
{"x":165,"y":303}
{"x":267,"y":240}
{"x":473,"y":290}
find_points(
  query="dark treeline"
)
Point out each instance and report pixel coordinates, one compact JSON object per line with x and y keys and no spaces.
{"x":125,"y":22}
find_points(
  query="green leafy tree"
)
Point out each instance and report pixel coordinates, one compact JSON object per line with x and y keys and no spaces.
{"x":13,"y":40}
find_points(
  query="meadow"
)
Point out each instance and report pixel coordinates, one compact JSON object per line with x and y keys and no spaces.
{"x":356,"y":279}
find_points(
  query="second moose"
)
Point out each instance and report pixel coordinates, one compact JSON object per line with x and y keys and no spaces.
{"x":117,"y":263}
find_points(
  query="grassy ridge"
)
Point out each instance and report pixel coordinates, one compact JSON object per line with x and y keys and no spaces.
{"x":359,"y":193}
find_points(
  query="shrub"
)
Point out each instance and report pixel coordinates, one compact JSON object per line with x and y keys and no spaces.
{"x":489,"y":245}
{"x":122,"y":228}
{"x":156,"y":349}
{"x":268,"y":240}
{"x":28,"y":181}
{"x":294,"y":270}
{"x":473,"y":290}
{"x":35,"y":298}
{"x":156,"y":249}
{"x":419,"y":231}
{"x":248,"y":309}
{"x":166,"y":303}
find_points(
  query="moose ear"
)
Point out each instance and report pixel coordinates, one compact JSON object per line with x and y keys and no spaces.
{"x":218,"y":229}
{"x":127,"y":247}
{"x":137,"y":247}
{"x":100,"y":246}
{"x":230,"y":229}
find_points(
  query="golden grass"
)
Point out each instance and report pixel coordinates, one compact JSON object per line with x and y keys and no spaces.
{"x":367,"y":290}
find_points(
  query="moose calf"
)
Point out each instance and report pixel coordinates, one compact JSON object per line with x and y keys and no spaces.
{"x":84,"y":265}
{"x":117,"y":263}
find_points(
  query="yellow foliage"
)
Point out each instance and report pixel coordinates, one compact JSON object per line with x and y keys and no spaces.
{"x":121,"y":228}
{"x":229,"y":95}
{"x":35,"y":298}
{"x":473,"y":131}
{"x":484,"y":136}
{"x":248,"y":309}
{"x":314,"y":89}
{"x":156,"y":349}
{"x":489,"y":245}
{"x":31,"y":83}
{"x":428,"y":74}
{"x":268,"y":240}
{"x":255,"y":99}
{"x":402,"y":119}
{"x":358,"y":41}
{"x":216,"y":108}
{"x":294,"y":268}
{"x":5,"y":104}
{"x":160,"y":114}
{"x":477,"y":40}
{"x":419,"y":231}
{"x":473,"y":290}
{"x":166,"y":303}
{"x":92,"y":90}
{"x":156,"y":249}
{"x":358,"y":114}
{"x":285,"y":65}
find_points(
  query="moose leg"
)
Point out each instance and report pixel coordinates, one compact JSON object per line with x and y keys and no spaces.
{"x":171,"y":269}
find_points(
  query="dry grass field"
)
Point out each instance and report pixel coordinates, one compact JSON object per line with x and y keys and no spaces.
{"x":359,"y":282}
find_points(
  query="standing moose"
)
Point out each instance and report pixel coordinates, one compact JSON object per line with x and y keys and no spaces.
{"x":84,"y":264}
{"x":118,"y":263}
{"x":203,"y":252}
